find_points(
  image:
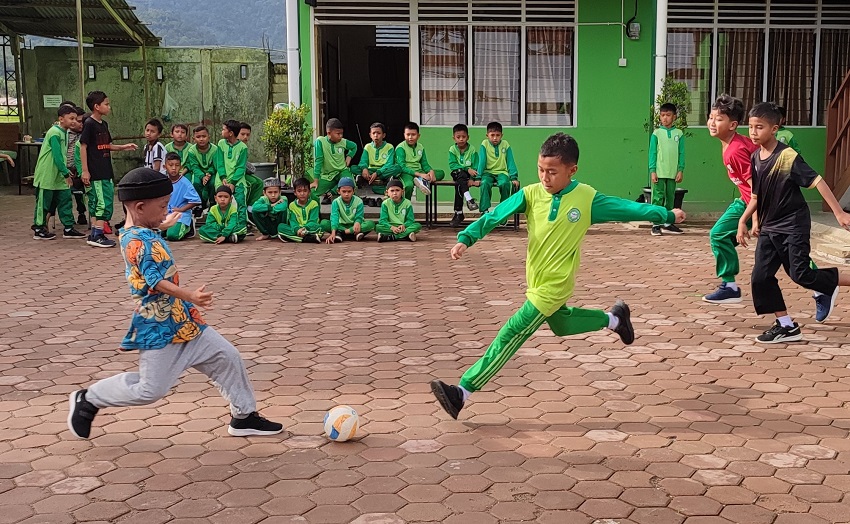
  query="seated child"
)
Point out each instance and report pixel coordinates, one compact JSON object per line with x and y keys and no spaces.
{"x":222,"y":224}
{"x":154,"y":150}
{"x":496,"y":166}
{"x":412,"y":163}
{"x":333,"y":157}
{"x":201,"y":163}
{"x":167,"y":328}
{"x":377,"y":163}
{"x":270,"y":211}
{"x":254,"y":184}
{"x":397,"y":218}
{"x":463,"y":160}
{"x":183,"y":199}
{"x":179,"y":145}
{"x":303,"y":222}
{"x":347,"y":216}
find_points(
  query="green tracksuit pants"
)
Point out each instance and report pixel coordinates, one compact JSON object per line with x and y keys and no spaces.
{"x":240,"y":193}
{"x":566,"y":321}
{"x":503,"y":182}
{"x":328,"y":183}
{"x":205,"y":191}
{"x":366,"y":227}
{"x":664,"y":193}
{"x":177,"y":232}
{"x":210,"y":231}
{"x":379,"y":186}
{"x":385,"y":229}
{"x":267,"y":224}
{"x":46,"y":200}
{"x":290,"y":233}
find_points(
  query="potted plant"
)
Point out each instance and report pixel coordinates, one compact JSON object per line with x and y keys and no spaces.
{"x":676,"y":93}
{"x":288,"y":139}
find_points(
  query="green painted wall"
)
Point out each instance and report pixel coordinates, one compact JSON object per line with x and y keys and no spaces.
{"x":612,"y":105}
{"x":204,"y":83}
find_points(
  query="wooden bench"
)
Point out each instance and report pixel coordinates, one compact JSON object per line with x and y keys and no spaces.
{"x":431,"y":202}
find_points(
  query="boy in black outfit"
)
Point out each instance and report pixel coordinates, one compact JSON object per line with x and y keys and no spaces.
{"x":782,"y":223}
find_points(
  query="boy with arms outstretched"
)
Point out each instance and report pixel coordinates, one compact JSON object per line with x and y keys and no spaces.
{"x":559,"y":211}
{"x":784,"y":227}
{"x":167,"y":329}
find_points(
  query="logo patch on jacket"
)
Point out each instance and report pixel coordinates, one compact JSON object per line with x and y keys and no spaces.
{"x":574,"y":215}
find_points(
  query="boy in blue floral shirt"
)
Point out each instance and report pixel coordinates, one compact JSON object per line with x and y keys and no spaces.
{"x":166,"y":328}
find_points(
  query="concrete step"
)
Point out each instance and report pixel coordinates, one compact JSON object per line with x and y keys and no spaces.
{"x":829,"y":240}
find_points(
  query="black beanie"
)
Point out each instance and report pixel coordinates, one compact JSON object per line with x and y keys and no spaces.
{"x":395,"y":183}
{"x":224,"y":189}
{"x":143,"y":183}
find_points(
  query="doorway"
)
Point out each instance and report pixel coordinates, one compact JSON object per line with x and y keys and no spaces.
{"x":364,"y":78}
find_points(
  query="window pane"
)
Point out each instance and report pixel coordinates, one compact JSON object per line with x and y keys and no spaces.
{"x":549,"y":84}
{"x":496,"y":77}
{"x":834,"y":64}
{"x":740,"y":64}
{"x":689,"y":61}
{"x":791,"y":73}
{"x":443,"y":75}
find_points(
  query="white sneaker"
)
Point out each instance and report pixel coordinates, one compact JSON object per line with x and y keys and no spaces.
{"x":422,"y":185}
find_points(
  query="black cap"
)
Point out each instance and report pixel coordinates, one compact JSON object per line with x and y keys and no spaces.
{"x":224,"y":189}
{"x":395,"y":183}
{"x":143,"y":183}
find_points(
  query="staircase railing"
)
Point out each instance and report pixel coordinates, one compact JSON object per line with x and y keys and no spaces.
{"x":837,"y":169}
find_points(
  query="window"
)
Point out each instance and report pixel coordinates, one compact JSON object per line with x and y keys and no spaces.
{"x":549,"y":70}
{"x":496,"y":75}
{"x":793,"y":53}
{"x":442,"y":74}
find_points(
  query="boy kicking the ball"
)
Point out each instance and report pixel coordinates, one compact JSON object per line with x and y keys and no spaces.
{"x":166,"y":327}
{"x":559,"y":211}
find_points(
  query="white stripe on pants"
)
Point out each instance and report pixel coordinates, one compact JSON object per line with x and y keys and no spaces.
{"x":160,"y":369}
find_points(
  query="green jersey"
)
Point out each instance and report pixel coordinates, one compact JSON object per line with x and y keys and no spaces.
{"x":556,"y":228}
{"x":231,"y":160}
{"x":376,"y":158}
{"x":330,"y":157}
{"x":467,"y":159}
{"x":411,"y":159}
{"x":306,"y":216}
{"x":785,"y":136}
{"x":666,"y":152}
{"x":274,"y":210}
{"x":51,"y":167}
{"x":400,"y":214}
{"x":226,"y":219}
{"x":496,"y":160}
{"x":344,"y":216}
{"x":183,"y":152}
{"x":199,"y":163}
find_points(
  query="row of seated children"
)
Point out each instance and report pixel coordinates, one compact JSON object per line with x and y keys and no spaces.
{"x":299,"y":220}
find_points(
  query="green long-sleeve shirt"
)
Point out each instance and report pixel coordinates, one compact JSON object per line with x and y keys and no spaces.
{"x":277,"y":211}
{"x":411,"y":159}
{"x":666,"y":152}
{"x":200,"y":163}
{"x":466,"y":159}
{"x":304,"y":216}
{"x":51,"y":168}
{"x":556,"y":228}
{"x":344,"y":216}
{"x":225,"y":218}
{"x":785,"y":136}
{"x":231,"y":160}
{"x":330,"y":157}
{"x":377,"y":158}
{"x":496,"y":159}
{"x":393,"y":214}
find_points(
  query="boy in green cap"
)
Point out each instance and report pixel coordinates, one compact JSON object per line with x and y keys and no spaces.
{"x":346,"y":216}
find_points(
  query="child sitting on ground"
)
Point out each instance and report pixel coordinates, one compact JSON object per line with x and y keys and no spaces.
{"x":222,"y":224}
{"x":397,"y":218}
{"x":377,"y":162}
{"x":183,"y":199}
{"x":303,"y":222}
{"x":412,"y":162}
{"x":496,"y":166}
{"x":347,"y":216}
{"x":167,"y":327}
{"x":463,"y":161}
{"x":270,"y":211}
{"x":154,"y":150}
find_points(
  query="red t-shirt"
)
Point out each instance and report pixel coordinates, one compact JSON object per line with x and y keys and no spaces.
{"x":736,"y":158}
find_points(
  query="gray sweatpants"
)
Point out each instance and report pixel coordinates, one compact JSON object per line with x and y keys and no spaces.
{"x":159,"y":370}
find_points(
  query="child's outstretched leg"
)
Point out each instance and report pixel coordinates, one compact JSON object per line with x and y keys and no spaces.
{"x":566,"y":321}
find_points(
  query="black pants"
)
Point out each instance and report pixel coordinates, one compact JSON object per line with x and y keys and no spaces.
{"x":791,"y":251}
{"x":461,"y":178}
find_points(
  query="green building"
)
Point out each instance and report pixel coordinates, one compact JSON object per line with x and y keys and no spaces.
{"x":578,"y":66}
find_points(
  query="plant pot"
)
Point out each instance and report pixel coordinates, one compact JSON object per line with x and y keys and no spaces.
{"x":264,"y":170}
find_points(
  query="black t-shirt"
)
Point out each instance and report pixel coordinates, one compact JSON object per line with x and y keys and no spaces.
{"x":777,"y":181}
{"x":97,"y":139}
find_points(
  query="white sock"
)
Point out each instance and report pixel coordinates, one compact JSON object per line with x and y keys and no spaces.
{"x":818,"y":293}
{"x":731,"y":285}
{"x":666,"y":225}
{"x":465,"y":393}
{"x":785,"y":321}
{"x":467,"y":195}
{"x":613,"y":321}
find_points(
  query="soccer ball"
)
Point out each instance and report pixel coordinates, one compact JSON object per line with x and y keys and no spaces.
{"x":341,"y":423}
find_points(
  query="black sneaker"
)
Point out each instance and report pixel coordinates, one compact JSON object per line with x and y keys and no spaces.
{"x":338,"y":238}
{"x":369,"y":202}
{"x":673,"y":229}
{"x":457,"y":220}
{"x":449,"y":397}
{"x":359,"y":236}
{"x":234,"y":238}
{"x":100,"y":241}
{"x":385,"y":238}
{"x":311,"y":238}
{"x":72,"y":233}
{"x":624,"y":328}
{"x":326,"y":200}
{"x":42,"y":233}
{"x":778,"y":334}
{"x":191,"y":233}
{"x":252,"y":425}
{"x":656,"y":231}
{"x":81,"y":413}
{"x":472,"y":204}
{"x":82,"y":220}
{"x":117,"y":228}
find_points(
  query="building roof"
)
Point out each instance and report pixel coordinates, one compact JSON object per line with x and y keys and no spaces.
{"x":104,"y":21}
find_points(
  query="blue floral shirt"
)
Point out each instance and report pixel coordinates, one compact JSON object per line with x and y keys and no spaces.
{"x":159,"y":319}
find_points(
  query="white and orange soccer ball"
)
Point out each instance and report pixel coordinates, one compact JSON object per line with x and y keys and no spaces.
{"x":341,"y":423}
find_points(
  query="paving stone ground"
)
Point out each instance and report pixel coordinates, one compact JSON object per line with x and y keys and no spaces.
{"x":694,"y":423}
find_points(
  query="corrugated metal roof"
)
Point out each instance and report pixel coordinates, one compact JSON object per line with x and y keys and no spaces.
{"x":58,"y":19}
